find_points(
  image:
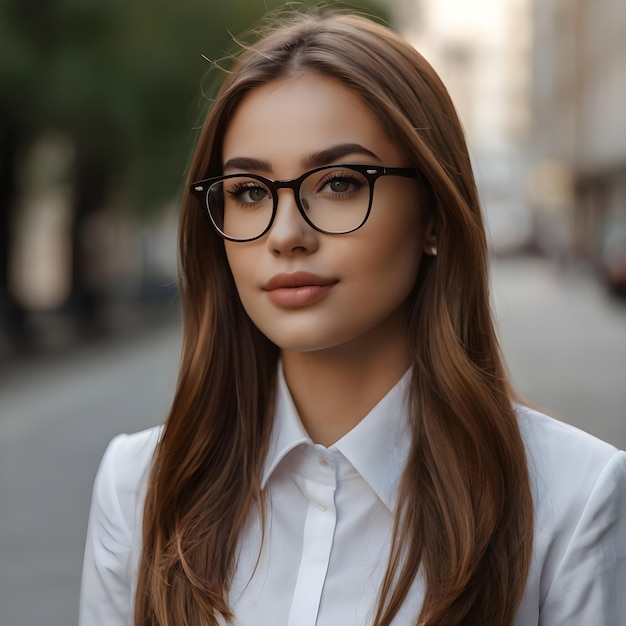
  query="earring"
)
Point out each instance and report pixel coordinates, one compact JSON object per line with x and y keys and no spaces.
{"x":432,"y":250}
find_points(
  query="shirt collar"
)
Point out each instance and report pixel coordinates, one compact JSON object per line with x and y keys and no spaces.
{"x":287,"y":433}
{"x":377,"y":447}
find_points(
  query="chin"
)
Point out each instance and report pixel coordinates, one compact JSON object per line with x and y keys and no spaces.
{"x":304,"y":340}
{"x":298,"y":344}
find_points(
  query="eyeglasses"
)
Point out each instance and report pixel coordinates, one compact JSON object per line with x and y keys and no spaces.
{"x":333,"y":199}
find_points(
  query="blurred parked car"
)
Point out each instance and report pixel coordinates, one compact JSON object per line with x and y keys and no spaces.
{"x":612,"y":254}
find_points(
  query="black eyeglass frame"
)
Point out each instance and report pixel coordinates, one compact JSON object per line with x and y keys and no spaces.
{"x":201,"y":188}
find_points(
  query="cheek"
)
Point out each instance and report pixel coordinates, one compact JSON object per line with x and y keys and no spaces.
{"x":244,"y":261}
{"x":241,"y":260}
{"x":394,"y":254}
{"x":393,"y":271}
{"x":380,"y":278}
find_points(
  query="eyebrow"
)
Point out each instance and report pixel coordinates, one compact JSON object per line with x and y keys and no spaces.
{"x":311,"y":161}
{"x":247,"y":164}
{"x":334,"y":153}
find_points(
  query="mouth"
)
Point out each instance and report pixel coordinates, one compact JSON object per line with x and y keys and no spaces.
{"x":298,"y":289}
{"x":298,"y":279}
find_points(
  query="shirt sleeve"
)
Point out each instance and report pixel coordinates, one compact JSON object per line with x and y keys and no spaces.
{"x":106,"y":591}
{"x":589,"y":586}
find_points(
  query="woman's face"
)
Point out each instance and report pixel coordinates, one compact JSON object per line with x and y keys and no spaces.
{"x":305,"y":290}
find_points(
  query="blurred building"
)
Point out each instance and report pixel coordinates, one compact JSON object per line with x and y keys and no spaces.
{"x":578,"y":181}
{"x":481,"y":50}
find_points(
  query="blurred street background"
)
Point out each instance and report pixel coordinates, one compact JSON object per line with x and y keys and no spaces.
{"x":99,"y":107}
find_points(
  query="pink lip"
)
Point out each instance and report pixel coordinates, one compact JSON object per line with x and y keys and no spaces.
{"x":298,"y":288}
{"x":297,"y":279}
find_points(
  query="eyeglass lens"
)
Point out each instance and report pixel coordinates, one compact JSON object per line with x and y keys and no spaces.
{"x":335,"y":200}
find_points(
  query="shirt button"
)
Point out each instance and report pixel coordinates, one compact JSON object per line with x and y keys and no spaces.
{"x":323,"y":461}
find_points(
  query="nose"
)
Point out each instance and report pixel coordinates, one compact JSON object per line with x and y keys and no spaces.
{"x":290,"y":234}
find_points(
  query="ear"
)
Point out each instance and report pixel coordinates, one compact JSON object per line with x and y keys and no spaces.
{"x":430,"y":237}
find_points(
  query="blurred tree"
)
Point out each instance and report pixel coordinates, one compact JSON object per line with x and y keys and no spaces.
{"x":18,"y":62}
{"x":118,"y":78}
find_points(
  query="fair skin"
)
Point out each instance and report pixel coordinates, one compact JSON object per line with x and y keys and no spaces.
{"x":344,"y":345}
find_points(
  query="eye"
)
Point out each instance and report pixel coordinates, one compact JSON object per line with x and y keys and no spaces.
{"x":339,"y":185}
{"x":342,"y":183}
{"x":254,"y":194}
{"x":248,"y":192}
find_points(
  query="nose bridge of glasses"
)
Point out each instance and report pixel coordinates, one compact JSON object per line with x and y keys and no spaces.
{"x":285,"y":185}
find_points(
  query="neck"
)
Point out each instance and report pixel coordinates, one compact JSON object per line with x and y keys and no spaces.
{"x":335,"y":389}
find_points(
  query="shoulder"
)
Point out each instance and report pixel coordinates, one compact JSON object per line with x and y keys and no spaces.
{"x":120,"y":486}
{"x":579,"y":553}
{"x":562,"y":457}
{"x":113,"y":542}
{"x":123,"y":474}
{"x":130,"y":456}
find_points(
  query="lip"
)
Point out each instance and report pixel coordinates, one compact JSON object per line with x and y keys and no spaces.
{"x":298,"y":289}
{"x":297,"y":279}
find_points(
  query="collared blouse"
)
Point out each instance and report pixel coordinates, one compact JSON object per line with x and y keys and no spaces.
{"x":330,"y":516}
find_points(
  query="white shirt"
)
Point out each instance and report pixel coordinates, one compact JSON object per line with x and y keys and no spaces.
{"x":330,"y":517}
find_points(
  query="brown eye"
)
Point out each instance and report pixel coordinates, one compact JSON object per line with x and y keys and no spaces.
{"x":339,"y":186}
{"x":256,"y":194}
{"x":247,"y":191}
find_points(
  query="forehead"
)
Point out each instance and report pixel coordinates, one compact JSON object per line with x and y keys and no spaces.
{"x":292,"y":117}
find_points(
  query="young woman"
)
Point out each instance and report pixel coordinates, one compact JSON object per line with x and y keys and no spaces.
{"x":343,"y":448}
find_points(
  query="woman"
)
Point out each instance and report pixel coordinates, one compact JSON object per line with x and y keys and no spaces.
{"x":343,"y":447}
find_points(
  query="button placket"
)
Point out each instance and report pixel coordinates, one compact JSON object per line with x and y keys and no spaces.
{"x":319,"y":488}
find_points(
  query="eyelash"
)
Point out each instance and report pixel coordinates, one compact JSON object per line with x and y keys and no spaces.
{"x":242,"y":187}
{"x":343,"y":176}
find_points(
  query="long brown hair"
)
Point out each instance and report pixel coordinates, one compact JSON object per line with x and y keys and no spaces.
{"x":465,"y":518}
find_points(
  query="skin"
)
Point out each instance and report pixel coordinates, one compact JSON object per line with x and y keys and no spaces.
{"x":344,"y":351}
